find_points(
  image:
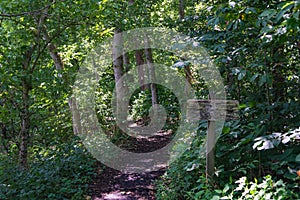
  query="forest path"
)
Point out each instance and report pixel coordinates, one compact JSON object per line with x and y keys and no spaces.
{"x":111,"y":184}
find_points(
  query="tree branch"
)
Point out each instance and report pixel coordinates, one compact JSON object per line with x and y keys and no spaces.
{"x":51,"y":47}
{"x":33,"y":12}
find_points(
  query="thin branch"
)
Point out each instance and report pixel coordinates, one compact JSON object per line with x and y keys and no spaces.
{"x":49,"y":41}
{"x":34,"y":12}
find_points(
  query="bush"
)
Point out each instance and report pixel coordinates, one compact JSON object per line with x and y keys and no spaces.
{"x":60,"y":173}
{"x":267,"y":189}
{"x":185,"y":178}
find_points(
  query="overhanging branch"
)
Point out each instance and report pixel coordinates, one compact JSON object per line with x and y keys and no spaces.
{"x":33,"y":12}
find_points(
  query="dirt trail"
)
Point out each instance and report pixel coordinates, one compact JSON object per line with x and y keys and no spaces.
{"x":111,"y":184}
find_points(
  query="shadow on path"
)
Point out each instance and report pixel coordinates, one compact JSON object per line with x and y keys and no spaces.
{"x":111,"y":184}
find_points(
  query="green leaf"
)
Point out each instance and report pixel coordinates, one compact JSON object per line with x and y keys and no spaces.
{"x":297,"y":158}
{"x":284,"y":9}
{"x":242,"y":74}
{"x":262,"y":80}
{"x":254,"y":77}
{"x":226,"y":130}
{"x":288,"y":5}
{"x":268,"y":13}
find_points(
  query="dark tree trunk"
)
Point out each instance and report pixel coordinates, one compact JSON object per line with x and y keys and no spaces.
{"x":4,"y":136}
{"x":25,"y":113}
{"x":189,"y":78}
{"x":140,"y":61}
{"x":181,"y":9}
{"x":126,"y":61}
{"x":25,"y":126}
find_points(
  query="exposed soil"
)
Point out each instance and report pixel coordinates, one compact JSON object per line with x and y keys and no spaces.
{"x":111,"y":184}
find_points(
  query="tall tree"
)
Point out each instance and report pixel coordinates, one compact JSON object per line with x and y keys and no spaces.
{"x":151,"y":70}
{"x":181,"y":9}
{"x":140,"y":61}
{"x":33,"y":37}
{"x":121,"y":88}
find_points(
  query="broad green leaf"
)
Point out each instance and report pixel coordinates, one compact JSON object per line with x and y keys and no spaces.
{"x":262,"y":80}
{"x":226,"y":130}
{"x":268,"y":13}
{"x":242,"y":74}
{"x":284,"y":9}
{"x":254,"y":77}
{"x":297,"y":158}
{"x":288,"y":5}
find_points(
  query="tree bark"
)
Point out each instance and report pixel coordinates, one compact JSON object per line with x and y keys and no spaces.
{"x":181,"y":9}
{"x":59,"y":65}
{"x":25,"y":127}
{"x":140,"y":61}
{"x":126,"y":61}
{"x":187,"y":68}
{"x":151,"y":68}
{"x":4,"y":136}
{"x":189,"y":78}
{"x":117,"y":51}
{"x":25,"y":113}
{"x":117,"y":55}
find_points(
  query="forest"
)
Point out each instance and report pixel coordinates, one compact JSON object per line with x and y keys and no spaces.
{"x":159,"y":99}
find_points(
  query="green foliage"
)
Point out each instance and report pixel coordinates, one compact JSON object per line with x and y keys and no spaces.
{"x":186,"y":174}
{"x":141,"y":105}
{"x":267,"y":189}
{"x":255,"y":45}
{"x":60,"y":172}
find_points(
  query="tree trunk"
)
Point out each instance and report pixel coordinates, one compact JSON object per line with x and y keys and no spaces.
{"x":25,"y":113}
{"x":4,"y":137}
{"x":139,"y":58}
{"x":126,"y":61}
{"x":59,"y":65}
{"x":181,"y":9}
{"x":187,"y":68}
{"x":189,"y":78}
{"x":151,"y":68}
{"x":25,"y":126}
{"x":117,"y":51}
{"x":117,"y":55}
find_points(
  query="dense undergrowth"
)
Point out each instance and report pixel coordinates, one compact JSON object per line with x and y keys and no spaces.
{"x":62,"y":172}
{"x":242,"y":172}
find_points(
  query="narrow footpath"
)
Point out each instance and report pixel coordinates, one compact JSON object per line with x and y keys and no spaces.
{"x":111,"y":184}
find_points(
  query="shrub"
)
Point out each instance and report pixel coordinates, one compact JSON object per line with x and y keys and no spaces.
{"x":60,"y":173}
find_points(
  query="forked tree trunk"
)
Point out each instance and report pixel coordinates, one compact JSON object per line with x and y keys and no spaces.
{"x":51,"y":47}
